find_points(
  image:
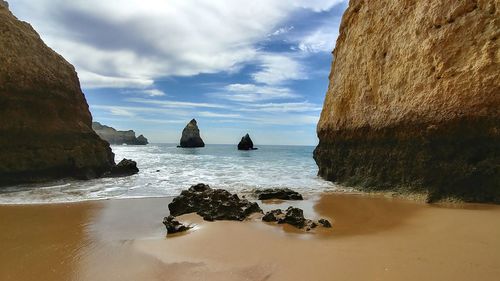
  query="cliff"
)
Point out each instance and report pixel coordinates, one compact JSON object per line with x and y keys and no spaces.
{"x":45,"y":123}
{"x":191,"y":136}
{"x":113,"y":136}
{"x":414,"y":98}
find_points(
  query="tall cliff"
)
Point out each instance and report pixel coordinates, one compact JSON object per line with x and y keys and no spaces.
{"x":113,"y":136}
{"x":414,"y":99}
{"x":45,"y":123}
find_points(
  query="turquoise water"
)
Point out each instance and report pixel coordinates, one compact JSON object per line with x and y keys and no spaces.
{"x":165,"y":170}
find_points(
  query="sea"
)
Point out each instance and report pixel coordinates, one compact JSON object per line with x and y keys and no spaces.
{"x":166,"y":170}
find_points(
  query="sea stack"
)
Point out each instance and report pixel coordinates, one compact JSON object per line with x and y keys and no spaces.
{"x":246,"y":143}
{"x":414,"y":99}
{"x":113,"y":136}
{"x":191,"y":136}
{"x":45,"y":127}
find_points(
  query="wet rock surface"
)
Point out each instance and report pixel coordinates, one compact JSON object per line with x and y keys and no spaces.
{"x":278,"y":193}
{"x":212,"y":204}
{"x":173,"y":226}
{"x":295,"y":217}
{"x":246,"y":143}
{"x":126,"y":167}
{"x":191,"y":136}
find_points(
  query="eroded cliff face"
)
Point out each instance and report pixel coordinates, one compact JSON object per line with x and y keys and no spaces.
{"x":113,"y":136}
{"x":414,"y":99}
{"x":45,"y":123}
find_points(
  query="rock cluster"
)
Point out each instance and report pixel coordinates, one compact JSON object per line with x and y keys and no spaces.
{"x":174,"y":226}
{"x":246,"y":143}
{"x":413,"y":101}
{"x":278,"y":193}
{"x":191,"y":136}
{"x":113,"y":136}
{"x":295,"y":217}
{"x":212,"y":204}
{"x":45,"y":127}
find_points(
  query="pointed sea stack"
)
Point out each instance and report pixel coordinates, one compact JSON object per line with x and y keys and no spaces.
{"x":246,"y":143}
{"x":45,"y":123}
{"x":414,"y":99}
{"x":191,"y":136}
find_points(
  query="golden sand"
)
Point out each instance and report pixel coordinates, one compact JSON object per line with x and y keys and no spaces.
{"x":373,"y":238}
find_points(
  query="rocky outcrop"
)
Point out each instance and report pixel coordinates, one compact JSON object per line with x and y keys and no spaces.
{"x":174,"y":226}
{"x":191,"y":136}
{"x":414,"y":99}
{"x":246,"y":143}
{"x":113,"y":136}
{"x":45,"y":127}
{"x":126,"y":167}
{"x":278,"y":193}
{"x":294,"y":217}
{"x":212,"y":204}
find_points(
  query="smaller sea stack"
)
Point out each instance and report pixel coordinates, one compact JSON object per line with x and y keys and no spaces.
{"x":191,"y":136}
{"x":246,"y":143}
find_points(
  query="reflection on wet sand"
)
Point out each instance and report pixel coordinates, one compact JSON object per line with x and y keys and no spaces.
{"x":373,"y":238}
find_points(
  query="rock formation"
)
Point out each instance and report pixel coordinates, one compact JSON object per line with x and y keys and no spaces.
{"x":126,"y":167}
{"x":113,"y":136}
{"x":174,"y":226}
{"x":414,"y":99}
{"x":45,"y":127}
{"x":278,"y":193}
{"x":246,"y":143}
{"x":191,"y":136}
{"x":212,"y":204}
{"x":295,"y":217}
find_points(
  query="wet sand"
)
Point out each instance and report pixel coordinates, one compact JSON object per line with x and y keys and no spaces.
{"x":373,"y":238}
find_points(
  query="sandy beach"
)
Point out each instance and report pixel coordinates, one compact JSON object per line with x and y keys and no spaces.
{"x":373,"y":238}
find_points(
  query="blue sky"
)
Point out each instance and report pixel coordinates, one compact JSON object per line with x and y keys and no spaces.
{"x":236,"y":66}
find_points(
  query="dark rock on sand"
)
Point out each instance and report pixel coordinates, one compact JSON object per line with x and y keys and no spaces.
{"x":114,"y":136}
{"x":295,"y":217}
{"x":191,"y":136}
{"x":278,"y":193}
{"x":246,"y":143}
{"x":212,"y":204}
{"x":174,"y":226}
{"x":45,"y":123}
{"x":126,"y":167}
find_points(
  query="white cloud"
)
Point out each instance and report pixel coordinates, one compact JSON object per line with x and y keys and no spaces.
{"x":121,"y":112}
{"x":175,"y":104}
{"x":118,"y":43}
{"x":282,"y":107}
{"x":218,"y":115}
{"x":277,"y":69}
{"x":153,"y":92}
{"x":320,"y":40}
{"x":253,"y":93}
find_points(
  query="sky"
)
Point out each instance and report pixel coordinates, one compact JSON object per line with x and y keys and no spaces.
{"x":259,"y":67}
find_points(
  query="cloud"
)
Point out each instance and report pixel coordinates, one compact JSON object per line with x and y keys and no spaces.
{"x":320,"y":40}
{"x":277,"y":69}
{"x":117,"y":43}
{"x":151,"y":92}
{"x":175,"y":104}
{"x":253,"y":93}
{"x":282,"y":107}
{"x":218,"y":115}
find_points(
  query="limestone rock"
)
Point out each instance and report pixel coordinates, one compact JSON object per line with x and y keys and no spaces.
{"x":126,"y":167}
{"x":113,"y":136}
{"x":212,"y":204}
{"x":246,"y":143}
{"x":191,"y":136}
{"x":174,"y":226}
{"x":45,"y":127}
{"x":414,"y":99}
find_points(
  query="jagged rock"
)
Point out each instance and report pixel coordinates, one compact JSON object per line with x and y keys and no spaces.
{"x":113,"y":136}
{"x":191,"y":136}
{"x":246,"y":143}
{"x":325,"y":223}
{"x":413,"y":101}
{"x":295,"y":217}
{"x":126,"y":167}
{"x":273,"y":215}
{"x":212,"y":204}
{"x":278,"y":193}
{"x":174,"y":226}
{"x":45,"y":127}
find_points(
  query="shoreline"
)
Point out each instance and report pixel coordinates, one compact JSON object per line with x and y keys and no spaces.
{"x":124,"y":239}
